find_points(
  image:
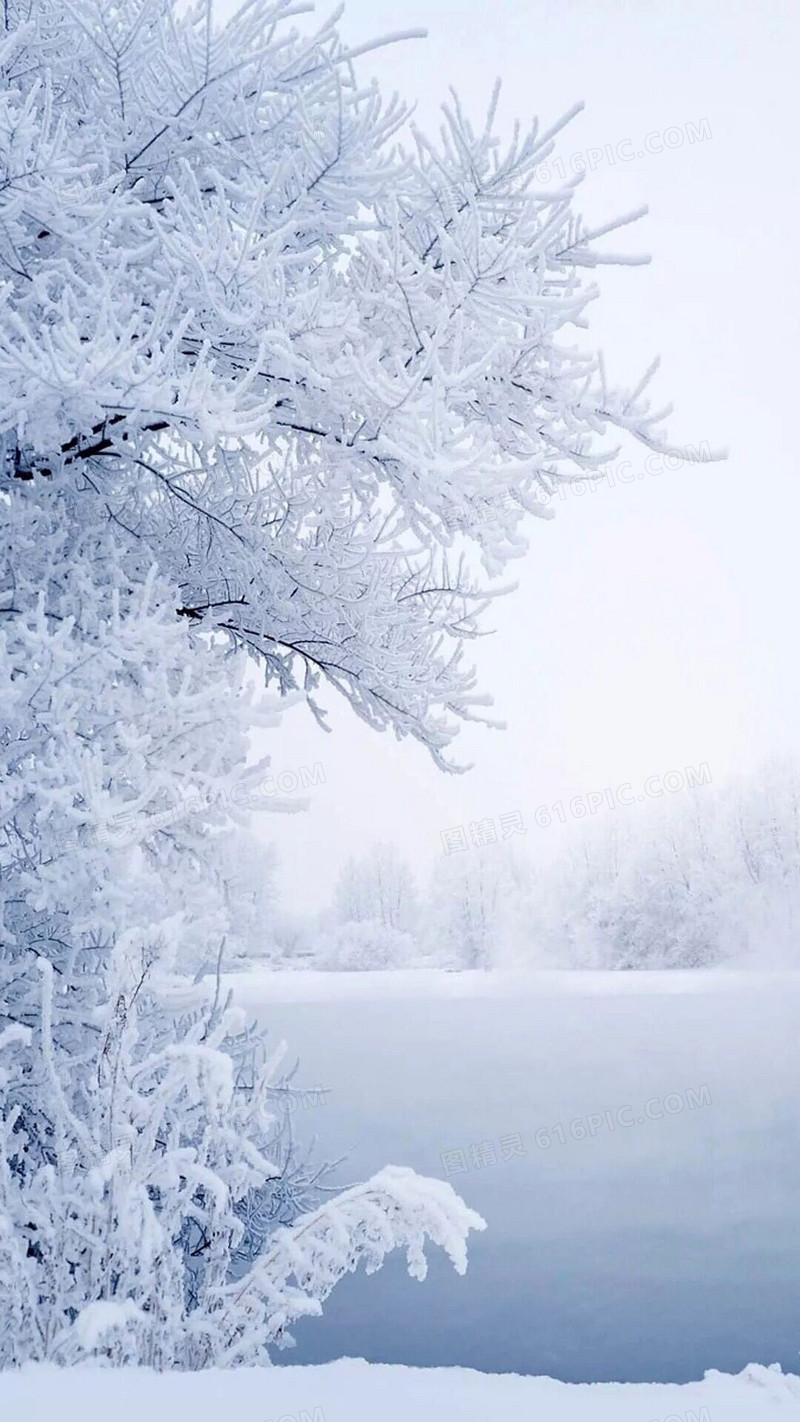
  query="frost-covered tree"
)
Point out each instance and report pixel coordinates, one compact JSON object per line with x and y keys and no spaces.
{"x":257,"y":348}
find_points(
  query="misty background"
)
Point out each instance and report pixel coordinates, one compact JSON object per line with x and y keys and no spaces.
{"x":653,"y":627}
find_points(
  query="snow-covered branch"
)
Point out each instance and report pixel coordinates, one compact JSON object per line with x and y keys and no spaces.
{"x":283,"y":353}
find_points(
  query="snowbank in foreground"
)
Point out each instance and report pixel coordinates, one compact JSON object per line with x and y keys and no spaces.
{"x":354,"y":1391}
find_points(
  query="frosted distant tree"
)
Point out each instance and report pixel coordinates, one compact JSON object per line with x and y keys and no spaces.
{"x":375,"y":914}
{"x":249,"y":870}
{"x":709,"y":877}
{"x":476,"y":915}
{"x":377,"y":887}
{"x":635,"y":895}
{"x":759,"y":822}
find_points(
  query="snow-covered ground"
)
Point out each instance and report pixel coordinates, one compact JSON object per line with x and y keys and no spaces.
{"x":635,"y":1230}
{"x":354,"y":1391}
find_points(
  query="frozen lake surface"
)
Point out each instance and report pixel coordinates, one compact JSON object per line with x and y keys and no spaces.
{"x":633,"y":1141}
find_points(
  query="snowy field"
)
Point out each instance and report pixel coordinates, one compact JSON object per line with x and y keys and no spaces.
{"x":633,"y":1141}
{"x":354,"y":1391}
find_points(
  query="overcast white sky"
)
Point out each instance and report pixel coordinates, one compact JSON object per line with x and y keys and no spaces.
{"x":654,"y":626}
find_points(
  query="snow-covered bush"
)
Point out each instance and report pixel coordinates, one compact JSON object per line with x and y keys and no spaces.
{"x":368,"y":943}
{"x":143,"y":1132}
{"x":125,"y":1201}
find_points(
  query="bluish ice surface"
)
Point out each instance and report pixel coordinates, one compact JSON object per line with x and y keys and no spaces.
{"x":648,"y":1249}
